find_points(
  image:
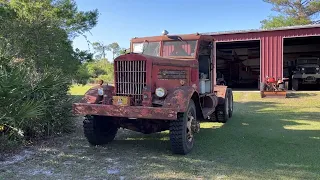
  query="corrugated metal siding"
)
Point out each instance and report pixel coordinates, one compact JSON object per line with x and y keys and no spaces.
{"x":236,"y":37}
{"x":271,"y":56}
{"x":301,"y":32}
{"x":271,"y":47}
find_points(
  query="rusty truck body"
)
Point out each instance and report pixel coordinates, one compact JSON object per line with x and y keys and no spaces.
{"x":164,"y":83}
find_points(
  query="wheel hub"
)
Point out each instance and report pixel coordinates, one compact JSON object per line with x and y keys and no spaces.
{"x":192,"y":127}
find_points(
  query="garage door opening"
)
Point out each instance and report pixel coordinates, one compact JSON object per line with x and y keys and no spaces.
{"x":238,"y":64}
{"x":301,"y":62}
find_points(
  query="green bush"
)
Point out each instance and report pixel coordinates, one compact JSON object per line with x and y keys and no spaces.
{"x":91,"y":72}
{"x":34,"y":104}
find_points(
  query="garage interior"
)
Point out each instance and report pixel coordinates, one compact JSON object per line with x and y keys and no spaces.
{"x":296,"y":48}
{"x":238,"y":63}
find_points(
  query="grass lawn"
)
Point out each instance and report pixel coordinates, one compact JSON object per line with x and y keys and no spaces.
{"x":77,"y":90}
{"x":265,"y":139}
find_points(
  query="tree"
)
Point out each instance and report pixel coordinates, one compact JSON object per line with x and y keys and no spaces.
{"x":115,"y":49}
{"x":100,"y":50}
{"x":123,"y":51}
{"x":38,"y":62}
{"x":83,"y":56}
{"x":40,"y":31}
{"x":292,"y":12}
{"x":63,"y":13}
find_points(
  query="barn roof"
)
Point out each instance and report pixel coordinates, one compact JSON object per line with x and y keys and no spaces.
{"x":263,"y":30}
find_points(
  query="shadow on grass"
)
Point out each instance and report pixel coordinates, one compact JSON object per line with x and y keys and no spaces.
{"x":260,"y":141}
{"x":300,"y":95}
{"x":257,"y":143}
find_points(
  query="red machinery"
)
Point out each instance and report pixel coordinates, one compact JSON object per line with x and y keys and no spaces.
{"x":274,"y":88}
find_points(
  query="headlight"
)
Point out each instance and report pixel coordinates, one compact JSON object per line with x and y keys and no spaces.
{"x":100,"y":91}
{"x":317,"y":69}
{"x":161,"y":92}
{"x":302,"y":69}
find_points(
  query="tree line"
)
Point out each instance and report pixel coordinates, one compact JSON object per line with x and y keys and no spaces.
{"x":292,"y":12}
{"x":37,"y":66}
{"x":95,"y":66}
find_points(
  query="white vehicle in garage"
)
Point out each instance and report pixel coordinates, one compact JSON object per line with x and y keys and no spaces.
{"x":306,"y":71}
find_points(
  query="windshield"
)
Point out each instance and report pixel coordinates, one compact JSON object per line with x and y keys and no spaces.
{"x":148,"y":48}
{"x":179,"y":48}
{"x":307,"y":61}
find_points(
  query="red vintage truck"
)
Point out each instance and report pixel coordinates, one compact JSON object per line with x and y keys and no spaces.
{"x":166,"y":82}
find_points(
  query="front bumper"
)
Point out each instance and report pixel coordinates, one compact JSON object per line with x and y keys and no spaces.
{"x":140,"y":112}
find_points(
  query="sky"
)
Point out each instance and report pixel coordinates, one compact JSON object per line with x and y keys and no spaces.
{"x":121,"y":20}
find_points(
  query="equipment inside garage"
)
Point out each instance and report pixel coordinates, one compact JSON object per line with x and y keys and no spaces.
{"x":301,"y":62}
{"x":238,"y":64}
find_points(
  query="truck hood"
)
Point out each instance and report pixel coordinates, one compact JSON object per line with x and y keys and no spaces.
{"x":189,"y":62}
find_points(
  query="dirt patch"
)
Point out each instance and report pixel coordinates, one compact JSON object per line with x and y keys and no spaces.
{"x":256,"y":143}
{"x":22,"y":156}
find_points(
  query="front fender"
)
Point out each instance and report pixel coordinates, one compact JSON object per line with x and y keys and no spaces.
{"x":92,"y":97}
{"x":179,"y":98}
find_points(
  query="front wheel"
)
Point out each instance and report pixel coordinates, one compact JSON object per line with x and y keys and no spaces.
{"x":182,"y":130}
{"x":99,"y":130}
{"x":295,"y":84}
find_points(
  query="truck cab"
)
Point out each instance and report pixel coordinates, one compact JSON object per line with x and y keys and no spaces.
{"x":165,"y":82}
{"x":306,"y":70}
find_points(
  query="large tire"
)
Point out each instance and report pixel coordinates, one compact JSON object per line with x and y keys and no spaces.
{"x":222,"y":110}
{"x":230,"y":98}
{"x":295,"y":84}
{"x":180,"y":131}
{"x":99,"y":130}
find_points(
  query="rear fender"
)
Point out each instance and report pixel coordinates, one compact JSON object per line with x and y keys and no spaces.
{"x":221,"y":93}
{"x":180,"y":97}
{"x":92,"y":96}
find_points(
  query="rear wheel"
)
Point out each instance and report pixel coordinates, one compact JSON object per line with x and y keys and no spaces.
{"x":99,"y":130}
{"x":222,"y":111}
{"x":182,"y":130}
{"x":295,"y":84}
{"x":230,"y":98}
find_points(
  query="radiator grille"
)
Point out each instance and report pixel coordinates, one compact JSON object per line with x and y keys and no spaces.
{"x":130,"y":79}
{"x":310,"y":70}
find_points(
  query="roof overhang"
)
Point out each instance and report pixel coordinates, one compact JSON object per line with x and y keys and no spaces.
{"x":263,"y":30}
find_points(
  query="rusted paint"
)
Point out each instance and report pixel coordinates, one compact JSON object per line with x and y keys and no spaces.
{"x":169,"y":84}
{"x":179,"y":98}
{"x":179,"y":93}
{"x":166,"y":38}
{"x":147,"y":98}
{"x":92,"y":97}
{"x":128,"y":111}
{"x":220,"y":92}
{"x":172,"y":74}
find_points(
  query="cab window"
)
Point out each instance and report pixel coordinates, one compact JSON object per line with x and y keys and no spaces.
{"x":179,"y":48}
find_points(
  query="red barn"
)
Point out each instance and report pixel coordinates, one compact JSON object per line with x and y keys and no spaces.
{"x":245,"y":58}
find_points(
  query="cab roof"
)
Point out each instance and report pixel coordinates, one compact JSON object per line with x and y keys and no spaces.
{"x":196,"y":36}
